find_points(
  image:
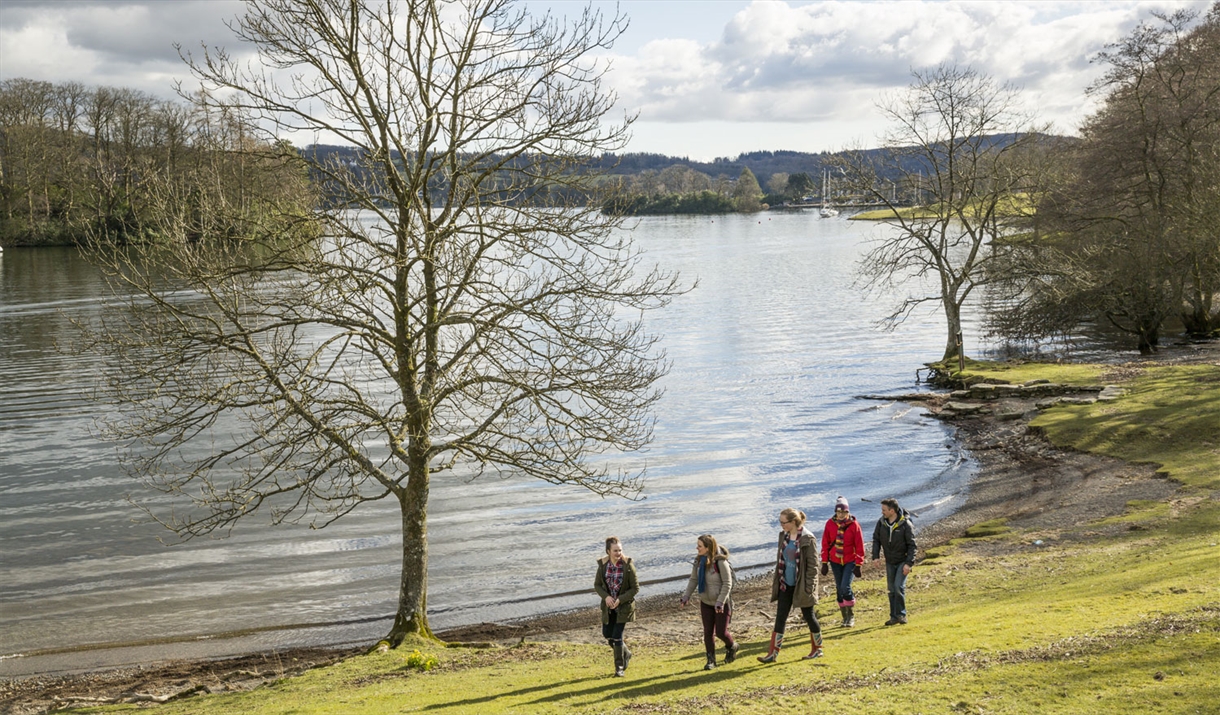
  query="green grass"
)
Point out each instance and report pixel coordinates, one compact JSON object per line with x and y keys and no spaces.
{"x":1018,"y":372}
{"x":1126,"y":624}
{"x":1170,"y":417}
{"x":908,"y":212}
{"x":983,"y":529}
{"x":1012,"y":206}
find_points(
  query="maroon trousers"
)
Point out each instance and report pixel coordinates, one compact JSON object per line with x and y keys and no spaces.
{"x":715,"y":625}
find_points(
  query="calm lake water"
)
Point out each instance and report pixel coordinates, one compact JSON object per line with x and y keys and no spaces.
{"x":759,"y":414}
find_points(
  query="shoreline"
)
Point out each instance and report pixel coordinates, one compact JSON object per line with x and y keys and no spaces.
{"x":1020,"y":477}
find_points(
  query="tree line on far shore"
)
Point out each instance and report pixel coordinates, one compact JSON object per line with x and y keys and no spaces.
{"x":680,"y":189}
{"x":81,"y":162}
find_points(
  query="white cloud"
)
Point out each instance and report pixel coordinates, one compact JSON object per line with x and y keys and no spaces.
{"x":128,"y":44}
{"x":710,"y":78}
{"x":830,"y":61}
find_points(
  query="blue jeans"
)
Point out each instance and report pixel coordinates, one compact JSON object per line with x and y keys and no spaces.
{"x":843,"y":574}
{"x":896,"y":584}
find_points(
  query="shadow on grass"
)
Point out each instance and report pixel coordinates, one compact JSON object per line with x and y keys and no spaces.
{"x":609,"y":687}
{"x":628,"y":688}
{"x":521,"y":691}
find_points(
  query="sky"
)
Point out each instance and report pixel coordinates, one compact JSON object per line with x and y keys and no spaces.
{"x":709,"y":78}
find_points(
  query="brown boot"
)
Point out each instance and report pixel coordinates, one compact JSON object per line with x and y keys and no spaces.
{"x":815,"y":646}
{"x":777,"y":639}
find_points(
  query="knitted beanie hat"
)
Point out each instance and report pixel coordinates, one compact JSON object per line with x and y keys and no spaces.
{"x":841,"y":503}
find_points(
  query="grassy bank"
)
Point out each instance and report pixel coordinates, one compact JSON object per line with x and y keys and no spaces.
{"x":1013,"y":206}
{"x":1113,"y":615}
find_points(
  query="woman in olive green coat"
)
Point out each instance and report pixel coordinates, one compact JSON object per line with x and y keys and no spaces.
{"x":617,"y":584}
{"x":795,"y":582}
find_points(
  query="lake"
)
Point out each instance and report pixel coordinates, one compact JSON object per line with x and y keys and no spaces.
{"x":759,"y":414}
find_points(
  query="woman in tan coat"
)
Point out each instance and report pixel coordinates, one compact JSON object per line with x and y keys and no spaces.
{"x":617,"y":584}
{"x":712,"y":577}
{"x":795,"y":582}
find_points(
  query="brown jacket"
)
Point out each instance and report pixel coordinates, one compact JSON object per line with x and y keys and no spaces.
{"x":626,"y":593}
{"x":806,"y":594}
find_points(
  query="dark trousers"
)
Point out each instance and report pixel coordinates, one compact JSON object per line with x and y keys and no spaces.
{"x":784,"y":607}
{"x":715,"y":625}
{"x":613,"y":631}
{"x":843,"y":574}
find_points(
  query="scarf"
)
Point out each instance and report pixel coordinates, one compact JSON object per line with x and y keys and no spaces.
{"x":779,"y":562}
{"x":614,"y":576}
{"x":842,"y":524}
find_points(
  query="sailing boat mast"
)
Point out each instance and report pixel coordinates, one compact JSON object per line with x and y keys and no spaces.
{"x":827,"y":211}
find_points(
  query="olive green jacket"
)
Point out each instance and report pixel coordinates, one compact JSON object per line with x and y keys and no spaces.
{"x":806,"y":594}
{"x":626,"y":594}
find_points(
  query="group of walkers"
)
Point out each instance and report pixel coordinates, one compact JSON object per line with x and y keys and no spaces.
{"x":793,"y":584}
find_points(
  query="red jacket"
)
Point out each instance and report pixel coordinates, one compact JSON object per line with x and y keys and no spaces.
{"x":853,"y":542}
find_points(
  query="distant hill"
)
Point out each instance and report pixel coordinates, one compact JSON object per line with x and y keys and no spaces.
{"x":763,"y":164}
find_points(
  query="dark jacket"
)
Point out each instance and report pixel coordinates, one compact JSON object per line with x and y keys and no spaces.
{"x":806,"y":594}
{"x":626,"y":593}
{"x":898,"y":540}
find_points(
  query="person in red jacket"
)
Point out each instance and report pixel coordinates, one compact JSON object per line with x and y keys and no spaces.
{"x":843,"y":551}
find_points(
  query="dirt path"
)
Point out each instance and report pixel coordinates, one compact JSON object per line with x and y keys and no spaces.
{"x":1021,"y":477}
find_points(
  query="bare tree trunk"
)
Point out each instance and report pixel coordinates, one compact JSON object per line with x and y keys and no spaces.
{"x":412,"y":615}
{"x":953,"y":319}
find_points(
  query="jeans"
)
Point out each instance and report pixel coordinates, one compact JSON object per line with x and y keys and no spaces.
{"x":715,"y":625}
{"x":613,"y":631}
{"x":896,"y":584}
{"x":843,"y":574}
{"x":784,"y":607}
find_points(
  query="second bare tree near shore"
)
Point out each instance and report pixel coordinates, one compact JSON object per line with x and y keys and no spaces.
{"x":966,"y":182}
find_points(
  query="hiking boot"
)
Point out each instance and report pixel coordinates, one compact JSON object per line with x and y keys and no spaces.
{"x":730,"y":653}
{"x":711,"y":663}
{"x":892,"y":622}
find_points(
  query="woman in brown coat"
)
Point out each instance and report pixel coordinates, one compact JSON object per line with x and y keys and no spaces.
{"x":617,"y":584}
{"x":795,"y":582}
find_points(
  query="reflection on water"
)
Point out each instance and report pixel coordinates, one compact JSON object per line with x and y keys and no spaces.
{"x":768,"y":353}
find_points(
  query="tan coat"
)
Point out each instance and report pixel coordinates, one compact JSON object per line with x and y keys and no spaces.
{"x":626,"y":593}
{"x":719,"y":585}
{"x":806,"y":594}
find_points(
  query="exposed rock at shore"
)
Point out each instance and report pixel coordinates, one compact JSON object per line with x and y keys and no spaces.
{"x":1006,"y":402}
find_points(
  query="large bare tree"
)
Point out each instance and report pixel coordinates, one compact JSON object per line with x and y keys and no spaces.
{"x":954,"y":149}
{"x":1128,"y":235}
{"x":454,"y":317}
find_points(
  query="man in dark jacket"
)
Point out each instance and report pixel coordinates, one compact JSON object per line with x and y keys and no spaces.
{"x":896,"y":536}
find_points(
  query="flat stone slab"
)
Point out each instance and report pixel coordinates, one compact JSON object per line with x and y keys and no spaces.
{"x":963,"y":407}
